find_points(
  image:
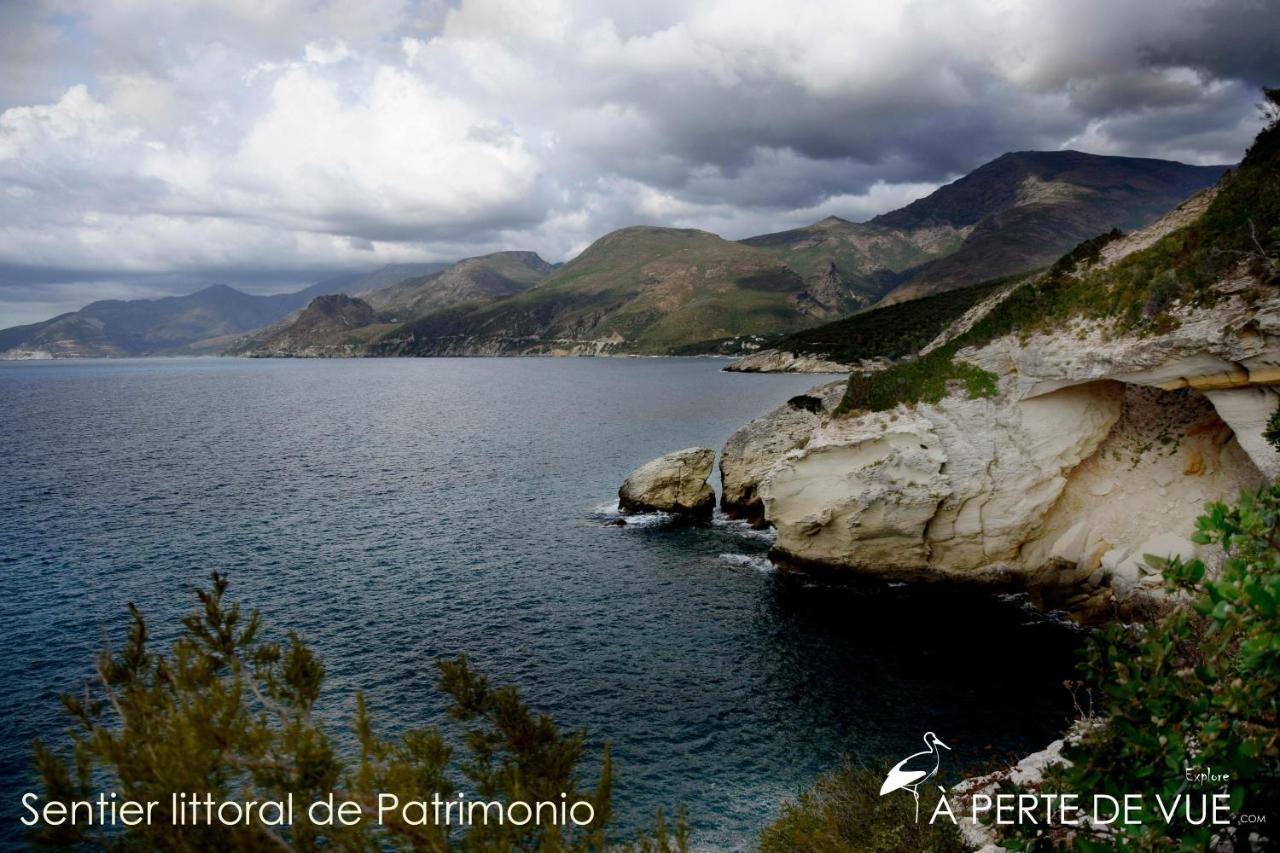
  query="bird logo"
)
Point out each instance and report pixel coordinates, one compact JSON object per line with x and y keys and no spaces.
{"x":914,"y":770}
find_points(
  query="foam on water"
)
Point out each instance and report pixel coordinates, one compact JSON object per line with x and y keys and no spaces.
{"x":750,"y":561}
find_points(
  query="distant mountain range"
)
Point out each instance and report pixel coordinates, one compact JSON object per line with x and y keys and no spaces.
{"x":202,"y":321}
{"x":332,"y":327}
{"x":656,"y":290}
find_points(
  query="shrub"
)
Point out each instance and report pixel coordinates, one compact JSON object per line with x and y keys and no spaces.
{"x":844,"y":813}
{"x":926,"y":379}
{"x":1272,"y":432}
{"x":1199,"y":687}
{"x":806,"y":402}
{"x":235,"y":716}
{"x":890,"y":331}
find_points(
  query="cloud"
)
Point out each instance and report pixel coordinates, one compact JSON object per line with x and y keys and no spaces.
{"x":262,"y":144}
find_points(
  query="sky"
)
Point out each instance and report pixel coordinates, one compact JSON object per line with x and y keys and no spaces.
{"x":153,"y":148}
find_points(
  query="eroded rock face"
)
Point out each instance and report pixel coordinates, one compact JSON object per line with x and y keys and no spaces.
{"x":1141,"y":491}
{"x":1096,"y":452}
{"x":676,"y":482}
{"x":1099,"y":448}
{"x":948,"y":489}
{"x":755,"y":448}
{"x":1246,"y":411}
{"x":859,"y":494}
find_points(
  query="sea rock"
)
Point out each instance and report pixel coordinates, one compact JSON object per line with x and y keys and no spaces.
{"x":755,"y":448}
{"x":676,"y":482}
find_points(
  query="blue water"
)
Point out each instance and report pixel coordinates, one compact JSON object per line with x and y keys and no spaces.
{"x":394,"y":511}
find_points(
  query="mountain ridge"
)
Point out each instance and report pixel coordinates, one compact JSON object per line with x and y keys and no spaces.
{"x":118,"y":328}
{"x":652,"y":290}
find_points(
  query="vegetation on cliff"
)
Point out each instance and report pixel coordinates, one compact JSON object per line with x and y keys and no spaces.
{"x":239,"y":717}
{"x":890,"y":331}
{"x":1198,"y":688}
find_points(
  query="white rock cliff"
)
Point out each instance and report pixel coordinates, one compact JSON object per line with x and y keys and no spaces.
{"x":1096,"y":451}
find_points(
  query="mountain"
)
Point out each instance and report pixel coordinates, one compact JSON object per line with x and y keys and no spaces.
{"x":649,"y":290}
{"x":117,"y":328}
{"x":484,"y":278}
{"x":367,"y":282}
{"x":331,"y":325}
{"x":471,"y":281}
{"x":1024,"y":209}
{"x":866,"y":259}
{"x":640,"y":290}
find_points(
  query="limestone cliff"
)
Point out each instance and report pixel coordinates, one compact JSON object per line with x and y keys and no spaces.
{"x":1097,"y":443}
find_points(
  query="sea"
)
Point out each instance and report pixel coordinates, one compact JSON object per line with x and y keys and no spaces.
{"x":396,"y":511}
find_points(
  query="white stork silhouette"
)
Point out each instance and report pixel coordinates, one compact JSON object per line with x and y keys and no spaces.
{"x":914,"y":770}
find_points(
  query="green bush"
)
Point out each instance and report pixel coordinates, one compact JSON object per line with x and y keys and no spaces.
{"x":1272,"y":432}
{"x":807,"y":403}
{"x":1197,"y":688}
{"x":844,"y":813}
{"x":926,"y":379}
{"x":236,"y":716}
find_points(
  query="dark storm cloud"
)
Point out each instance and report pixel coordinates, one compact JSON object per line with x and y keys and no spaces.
{"x":260,"y":143}
{"x":1226,"y":40}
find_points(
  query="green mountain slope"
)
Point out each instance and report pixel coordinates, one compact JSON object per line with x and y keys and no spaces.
{"x":638,"y":290}
{"x":866,"y":259}
{"x":483,"y":278}
{"x":472,"y":281}
{"x":332,"y":325}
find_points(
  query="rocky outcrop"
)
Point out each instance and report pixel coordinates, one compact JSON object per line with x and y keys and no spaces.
{"x":949,"y":489}
{"x":755,"y":448}
{"x":778,"y":361}
{"x":331,"y":325}
{"x":1098,"y":449}
{"x":1095,"y":453}
{"x":1028,"y":774}
{"x":676,"y":483}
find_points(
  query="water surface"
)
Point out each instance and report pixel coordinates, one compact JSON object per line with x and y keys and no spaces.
{"x":394,"y":511}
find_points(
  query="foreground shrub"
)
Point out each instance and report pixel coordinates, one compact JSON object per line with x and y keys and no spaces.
{"x":844,"y":813}
{"x":1198,"y":688}
{"x":235,"y":716}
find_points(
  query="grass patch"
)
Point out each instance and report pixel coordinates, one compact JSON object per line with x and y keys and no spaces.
{"x":919,"y":380}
